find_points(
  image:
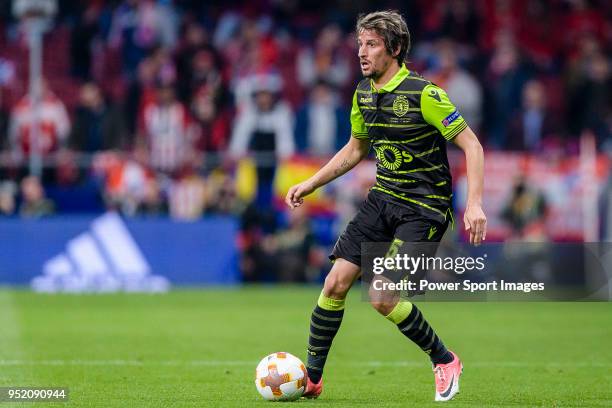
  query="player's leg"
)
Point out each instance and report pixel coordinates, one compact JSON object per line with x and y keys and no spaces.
{"x":415,"y":237}
{"x":327,"y":316}
{"x":409,"y":320}
{"x":406,"y":315}
{"x":412,"y":324}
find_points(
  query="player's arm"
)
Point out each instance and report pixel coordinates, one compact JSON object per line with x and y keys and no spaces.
{"x":474,"y":218}
{"x":352,"y":153}
{"x":347,"y":158}
{"x":440,"y":112}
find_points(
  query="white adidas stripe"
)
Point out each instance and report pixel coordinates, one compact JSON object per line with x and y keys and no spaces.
{"x":83,"y":251}
{"x":100,"y":260}
{"x":119,"y":245}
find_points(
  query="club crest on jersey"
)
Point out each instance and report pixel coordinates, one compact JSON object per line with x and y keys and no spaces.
{"x":400,"y":105}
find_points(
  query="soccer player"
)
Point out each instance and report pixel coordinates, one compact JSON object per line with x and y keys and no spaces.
{"x":408,"y":120}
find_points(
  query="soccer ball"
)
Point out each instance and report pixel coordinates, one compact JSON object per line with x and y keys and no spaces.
{"x":281,"y":377}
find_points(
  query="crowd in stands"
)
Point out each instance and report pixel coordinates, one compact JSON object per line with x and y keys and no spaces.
{"x":149,"y":104}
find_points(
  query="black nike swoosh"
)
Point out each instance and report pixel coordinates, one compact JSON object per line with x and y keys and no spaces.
{"x":448,"y":390}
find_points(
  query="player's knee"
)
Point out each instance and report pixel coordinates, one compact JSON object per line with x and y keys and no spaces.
{"x":336,"y":287}
{"x":381,"y":300}
{"x":383,"y":307}
{"x":340,"y":279}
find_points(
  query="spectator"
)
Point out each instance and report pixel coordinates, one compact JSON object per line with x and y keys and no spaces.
{"x":221,"y":193}
{"x":606,"y":207}
{"x":461,"y":22}
{"x":581,"y":20}
{"x":205,"y":72}
{"x":213,"y":120}
{"x":53,"y":126}
{"x":163,"y":65}
{"x":257,"y":48}
{"x":207,"y":96}
{"x":152,"y":202}
{"x":167,"y":131}
{"x":244,"y":87}
{"x":198,"y":63}
{"x":322,"y":125}
{"x":127,"y":181}
{"x":525,"y":212}
{"x":506,"y":74}
{"x":538,"y":35}
{"x":533,"y":123}
{"x":97,"y":126}
{"x":264,"y":128}
{"x":8,"y":72}
{"x":326,"y":60}
{"x":187,"y":197}
{"x":66,"y":168}
{"x":8,"y":190}
{"x":4,"y":123}
{"x":250,"y":52}
{"x":141,"y":92}
{"x":500,"y":18}
{"x":461,"y":86}
{"x":138,"y":26}
{"x":81,"y":42}
{"x":591,"y":98}
{"x":292,"y":248}
{"x":578,"y":66}
{"x":34,"y":204}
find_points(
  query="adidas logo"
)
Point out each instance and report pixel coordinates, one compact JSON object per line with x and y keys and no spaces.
{"x":104,"y":259}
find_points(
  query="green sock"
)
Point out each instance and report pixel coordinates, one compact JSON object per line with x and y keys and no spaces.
{"x":324,"y":324}
{"x":412,"y":324}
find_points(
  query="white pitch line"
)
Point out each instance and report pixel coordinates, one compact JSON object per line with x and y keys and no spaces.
{"x":10,"y":341}
{"x":243,"y":363}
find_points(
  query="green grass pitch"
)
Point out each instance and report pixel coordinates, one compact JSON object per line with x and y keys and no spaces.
{"x":199,"y":348}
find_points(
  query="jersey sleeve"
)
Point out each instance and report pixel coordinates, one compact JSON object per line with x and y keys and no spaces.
{"x":439,"y":111}
{"x":358,"y":127}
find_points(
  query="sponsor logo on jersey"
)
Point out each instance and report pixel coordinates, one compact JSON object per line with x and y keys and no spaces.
{"x":400,"y":105}
{"x":390,"y":157}
{"x":365,"y":99}
{"x":432,"y":231}
{"x":451,"y":118}
{"x":434,"y":94}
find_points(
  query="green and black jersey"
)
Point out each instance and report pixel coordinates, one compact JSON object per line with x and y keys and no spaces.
{"x":408,"y":122}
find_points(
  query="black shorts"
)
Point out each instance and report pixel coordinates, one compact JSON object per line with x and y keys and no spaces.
{"x":379,"y":220}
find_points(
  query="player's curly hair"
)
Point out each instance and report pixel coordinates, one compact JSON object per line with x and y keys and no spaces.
{"x":390,"y":25}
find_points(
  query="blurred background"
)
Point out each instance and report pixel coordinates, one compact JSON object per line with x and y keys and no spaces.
{"x":147,"y":143}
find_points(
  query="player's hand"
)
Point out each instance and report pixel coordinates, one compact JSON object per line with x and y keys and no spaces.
{"x":295,"y":195}
{"x":476,"y":222}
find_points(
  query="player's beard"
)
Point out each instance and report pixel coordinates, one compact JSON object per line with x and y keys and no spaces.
{"x":374,"y":73}
{"x":370,"y":75}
